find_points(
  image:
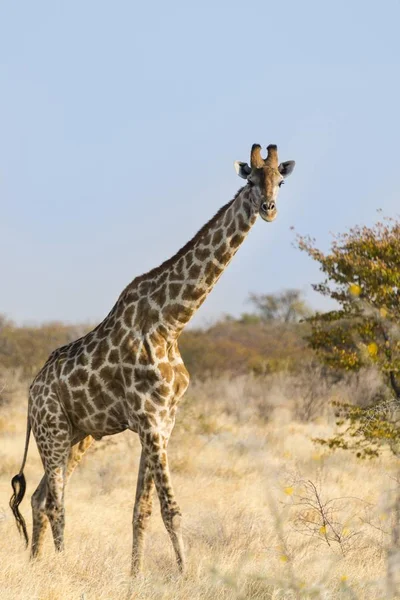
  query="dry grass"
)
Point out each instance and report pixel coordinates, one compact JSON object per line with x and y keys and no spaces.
{"x":241,"y":467}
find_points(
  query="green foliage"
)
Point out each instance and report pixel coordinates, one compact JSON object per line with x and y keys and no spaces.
{"x":363,"y":277}
{"x":365,"y":430}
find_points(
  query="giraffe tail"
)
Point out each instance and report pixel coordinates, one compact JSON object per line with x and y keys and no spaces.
{"x":18,"y":483}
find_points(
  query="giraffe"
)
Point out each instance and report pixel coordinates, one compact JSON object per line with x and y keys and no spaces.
{"x":127,"y":373}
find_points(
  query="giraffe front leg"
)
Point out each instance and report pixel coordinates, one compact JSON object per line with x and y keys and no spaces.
{"x":156,"y":451}
{"x":142,"y":512}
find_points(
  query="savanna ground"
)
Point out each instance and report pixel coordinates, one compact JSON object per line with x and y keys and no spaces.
{"x":267,"y":513}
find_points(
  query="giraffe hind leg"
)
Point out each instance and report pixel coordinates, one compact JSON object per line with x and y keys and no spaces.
{"x":39,"y":498}
{"x":39,"y":517}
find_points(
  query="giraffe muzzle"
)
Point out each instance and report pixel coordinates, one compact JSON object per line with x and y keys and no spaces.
{"x":268,"y":211}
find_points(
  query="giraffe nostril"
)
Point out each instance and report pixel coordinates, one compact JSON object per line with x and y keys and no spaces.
{"x":268,"y":206}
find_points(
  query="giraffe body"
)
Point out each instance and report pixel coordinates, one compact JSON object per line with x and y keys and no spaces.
{"x":128,"y":373}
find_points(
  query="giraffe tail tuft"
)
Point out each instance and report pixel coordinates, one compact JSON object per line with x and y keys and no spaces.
{"x":18,"y":483}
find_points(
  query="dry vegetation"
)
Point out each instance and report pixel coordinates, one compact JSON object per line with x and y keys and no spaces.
{"x":267,"y":514}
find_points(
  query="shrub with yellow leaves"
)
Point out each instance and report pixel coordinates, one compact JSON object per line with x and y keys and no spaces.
{"x":362,"y":276}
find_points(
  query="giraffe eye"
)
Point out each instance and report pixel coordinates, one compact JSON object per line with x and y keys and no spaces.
{"x":281,"y":183}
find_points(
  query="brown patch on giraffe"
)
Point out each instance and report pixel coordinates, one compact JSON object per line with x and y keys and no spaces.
{"x":242,"y":226}
{"x":90,"y":347}
{"x":166,"y":371}
{"x":115,"y":414}
{"x":65,"y":393}
{"x":131,"y":296}
{"x":135,"y":400}
{"x":164,"y":332}
{"x":194,"y":271}
{"x":211,"y":272}
{"x":217,"y":238}
{"x":247,"y":209}
{"x":191,"y":292}
{"x":80,"y":411}
{"x":82,"y":359}
{"x":174,"y":289}
{"x":107,"y":373}
{"x":181,"y":381}
{"x":188,"y":260}
{"x":113,"y":379}
{"x":222,"y":253}
{"x":115,"y":385}
{"x":145,"y":380}
{"x":127,"y":375}
{"x":113,"y":426}
{"x":102,"y":401}
{"x":99,"y":356}
{"x":117,"y":335}
{"x":78,"y":377}
{"x":128,"y":315}
{"x":144,"y":288}
{"x":52,"y":406}
{"x":236,"y":240}
{"x":149,"y":407}
{"x":156,"y":339}
{"x":202,"y":254}
{"x":178,"y":268}
{"x":74,"y":346}
{"x":177,"y":312}
{"x":79,"y":396}
{"x":144,"y":355}
{"x":113,"y":356}
{"x":161,"y":277}
{"x":146,"y":320}
{"x":145,"y":316}
{"x":99,"y":419}
{"x":129,"y":349}
{"x":34,"y":389}
{"x":90,"y":409}
{"x":67,"y":367}
{"x":94,"y":387}
{"x":159,"y":296}
{"x":159,"y":352}
{"x":231,"y":230}
{"x":161,"y":394}
{"x":206,"y":240}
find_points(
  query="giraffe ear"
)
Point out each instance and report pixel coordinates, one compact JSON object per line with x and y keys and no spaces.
{"x":286,"y":168}
{"x":242,"y":169}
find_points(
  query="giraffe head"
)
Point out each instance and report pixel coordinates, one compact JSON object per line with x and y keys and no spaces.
{"x":265,"y":176}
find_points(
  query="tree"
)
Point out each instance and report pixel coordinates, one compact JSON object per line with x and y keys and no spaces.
{"x":287,"y":306}
{"x":362,"y":274}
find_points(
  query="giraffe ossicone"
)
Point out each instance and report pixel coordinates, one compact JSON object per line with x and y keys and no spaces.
{"x":128,"y":373}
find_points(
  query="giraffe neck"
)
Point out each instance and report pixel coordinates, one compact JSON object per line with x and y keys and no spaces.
{"x":166,"y":298}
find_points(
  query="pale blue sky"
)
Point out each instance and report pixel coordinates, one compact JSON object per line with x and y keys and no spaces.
{"x":120,"y":122}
